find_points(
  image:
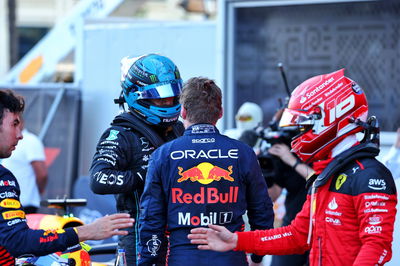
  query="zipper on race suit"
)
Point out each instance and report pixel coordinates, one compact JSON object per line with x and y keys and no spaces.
{"x":310,"y":224}
{"x":319,"y":251}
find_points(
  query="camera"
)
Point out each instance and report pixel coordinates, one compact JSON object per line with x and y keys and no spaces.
{"x":271,"y":165}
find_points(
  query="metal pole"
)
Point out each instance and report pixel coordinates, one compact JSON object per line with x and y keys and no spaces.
{"x":13,"y":34}
{"x":51,"y":114}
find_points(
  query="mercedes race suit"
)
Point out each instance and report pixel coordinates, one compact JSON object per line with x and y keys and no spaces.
{"x":200,"y":178}
{"x":120,"y":164}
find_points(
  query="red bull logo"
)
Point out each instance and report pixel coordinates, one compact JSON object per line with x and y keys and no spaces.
{"x":210,"y":195}
{"x":48,"y":239}
{"x":205,"y":173}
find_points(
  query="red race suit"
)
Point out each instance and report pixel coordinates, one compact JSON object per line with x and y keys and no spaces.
{"x":347,"y":219}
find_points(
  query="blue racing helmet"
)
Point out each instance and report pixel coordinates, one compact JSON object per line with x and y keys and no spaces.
{"x":150,"y":77}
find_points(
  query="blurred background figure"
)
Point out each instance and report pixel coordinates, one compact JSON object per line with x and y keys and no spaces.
{"x":28,"y":163}
{"x":248,"y":117}
{"x":288,"y":181}
{"x":392,"y":159}
{"x":285,"y":175}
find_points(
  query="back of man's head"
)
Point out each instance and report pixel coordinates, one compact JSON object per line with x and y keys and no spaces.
{"x":202,"y":100}
{"x":11,"y":102}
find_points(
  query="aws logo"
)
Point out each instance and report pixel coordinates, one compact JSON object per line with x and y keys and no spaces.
{"x":377,"y":184}
{"x":340,"y":180}
{"x":205,"y":173}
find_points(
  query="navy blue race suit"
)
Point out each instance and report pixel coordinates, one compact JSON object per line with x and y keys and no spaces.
{"x":120,"y":164}
{"x":200,"y":178}
{"x":16,"y":238}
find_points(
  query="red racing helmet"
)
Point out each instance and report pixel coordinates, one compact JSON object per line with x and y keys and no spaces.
{"x":324,"y":108}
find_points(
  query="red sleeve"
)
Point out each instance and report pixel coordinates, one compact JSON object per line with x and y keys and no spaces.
{"x":291,"y":239}
{"x":376,"y":212}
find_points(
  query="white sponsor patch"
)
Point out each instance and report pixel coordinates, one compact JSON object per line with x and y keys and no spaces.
{"x":333,"y":205}
{"x":375,"y":196}
{"x":109,"y":179}
{"x":277,"y":236}
{"x":377,"y":184}
{"x":206,"y":154}
{"x":334,"y":221}
{"x":153,"y":245}
{"x":373,"y":229}
{"x":375,"y":219}
{"x":204,"y":140}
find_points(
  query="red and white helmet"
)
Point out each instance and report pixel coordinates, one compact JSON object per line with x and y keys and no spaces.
{"x":324,"y":108}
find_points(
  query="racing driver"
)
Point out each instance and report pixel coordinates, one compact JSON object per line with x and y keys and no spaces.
{"x":201,"y":178}
{"x":151,"y":85}
{"x":349,"y":213}
{"x":16,"y":238}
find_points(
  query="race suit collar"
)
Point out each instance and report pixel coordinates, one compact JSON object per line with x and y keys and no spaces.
{"x":368,"y":149}
{"x":201,"y":129}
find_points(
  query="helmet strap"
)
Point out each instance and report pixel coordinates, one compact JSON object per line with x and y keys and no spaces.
{"x":371,"y":129}
{"x":120,"y":101}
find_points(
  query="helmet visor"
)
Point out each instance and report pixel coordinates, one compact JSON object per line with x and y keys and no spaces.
{"x":295,"y":118}
{"x":161,"y":90}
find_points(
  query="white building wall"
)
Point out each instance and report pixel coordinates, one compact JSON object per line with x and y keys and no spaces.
{"x":191,"y":45}
{"x":43,"y":13}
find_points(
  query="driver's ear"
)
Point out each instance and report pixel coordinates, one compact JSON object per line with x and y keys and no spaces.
{"x":183,"y":112}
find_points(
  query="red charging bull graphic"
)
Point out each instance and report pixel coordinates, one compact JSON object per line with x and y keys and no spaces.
{"x":205,"y":173}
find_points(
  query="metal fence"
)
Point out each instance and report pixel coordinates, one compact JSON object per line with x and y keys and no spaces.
{"x":52,"y":113}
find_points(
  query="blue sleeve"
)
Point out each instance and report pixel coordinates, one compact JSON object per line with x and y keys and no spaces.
{"x":153,"y":213}
{"x":15,"y":235}
{"x":259,"y":205}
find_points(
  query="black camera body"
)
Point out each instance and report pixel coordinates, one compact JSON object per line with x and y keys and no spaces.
{"x":271,"y":165}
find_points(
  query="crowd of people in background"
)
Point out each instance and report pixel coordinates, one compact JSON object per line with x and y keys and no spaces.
{"x":191,"y":189}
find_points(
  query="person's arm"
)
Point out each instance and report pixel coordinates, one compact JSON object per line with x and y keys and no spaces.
{"x":274,"y":192}
{"x":40,"y":170}
{"x":105,"y":227}
{"x":18,"y":239}
{"x":216,"y":238}
{"x":283,"y":152}
{"x":115,"y":168}
{"x":153,"y":212}
{"x":291,"y":239}
{"x":375,"y":205}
